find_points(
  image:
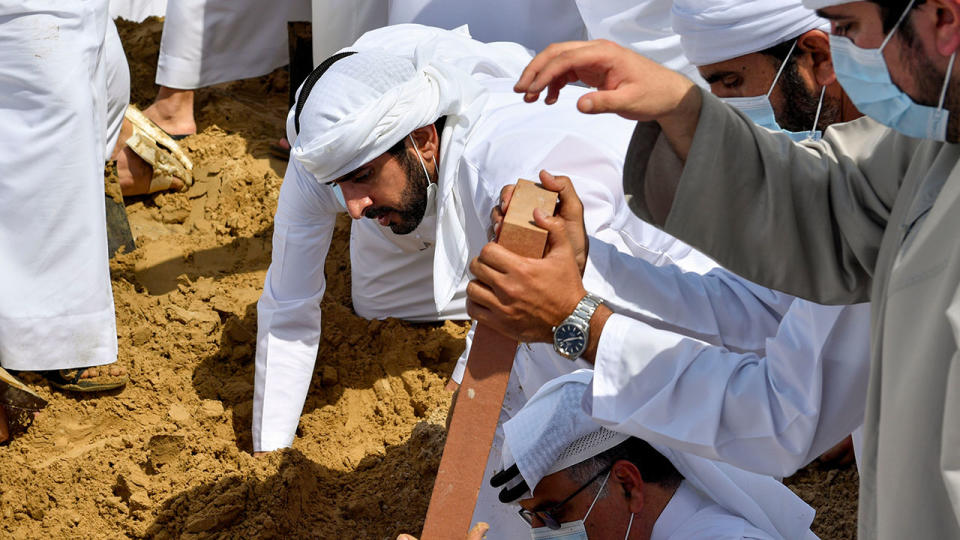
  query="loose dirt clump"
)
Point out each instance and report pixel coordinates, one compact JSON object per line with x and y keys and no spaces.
{"x":170,"y":456}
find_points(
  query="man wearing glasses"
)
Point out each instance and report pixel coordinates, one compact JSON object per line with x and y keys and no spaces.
{"x":590,"y":482}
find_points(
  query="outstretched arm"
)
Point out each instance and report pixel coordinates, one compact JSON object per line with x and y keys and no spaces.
{"x":627,"y":84}
{"x":288,"y":313}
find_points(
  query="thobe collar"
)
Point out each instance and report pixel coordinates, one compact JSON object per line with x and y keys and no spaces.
{"x":686,"y":502}
{"x":451,"y":256}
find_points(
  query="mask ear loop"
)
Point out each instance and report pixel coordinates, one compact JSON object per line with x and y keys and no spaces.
{"x":946,"y":81}
{"x":783,"y":66}
{"x":629,"y":525}
{"x":420,"y":157}
{"x":816,"y":119}
{"x":597,"y":497}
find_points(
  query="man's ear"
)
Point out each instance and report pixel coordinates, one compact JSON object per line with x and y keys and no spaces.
{"x":626,"y":481}
{"x":817,"y":44}
{"x":947,"y":13}
{"x":428,"y":142}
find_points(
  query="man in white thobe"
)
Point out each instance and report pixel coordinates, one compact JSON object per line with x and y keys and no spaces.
{"x":206,"y":42}
{"x":871,"y":212}
{"x":574,"y":476}
{"x":56,"y":305}
{"x":491,"y":138}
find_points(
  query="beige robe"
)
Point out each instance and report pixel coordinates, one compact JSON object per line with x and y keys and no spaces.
{"x":867,"y":214}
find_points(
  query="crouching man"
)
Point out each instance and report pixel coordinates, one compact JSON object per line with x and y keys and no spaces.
{"x":414,"y":132}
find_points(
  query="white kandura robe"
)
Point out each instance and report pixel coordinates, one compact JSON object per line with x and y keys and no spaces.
{"x":207,"y":42}
{"x":118,"y":86}
{"x":691,"y":515}
{"x":645,"y":26}
{"x":795,"y":374}
{"x":56,"y":305}
{"x":531,"y":23}
{"x":770,"y":412}
{"x":392,"y":274}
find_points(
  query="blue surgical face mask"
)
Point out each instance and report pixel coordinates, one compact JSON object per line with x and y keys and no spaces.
{"x":864,"y":76}
{"x":431,"y":187}
{"x":574,"y":530}
{"x":759,"y":109}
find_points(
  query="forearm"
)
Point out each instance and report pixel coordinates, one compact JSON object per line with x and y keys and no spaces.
{"x":806,"y":219}
{"x":680,"y":125}
{"x":769,"y":414}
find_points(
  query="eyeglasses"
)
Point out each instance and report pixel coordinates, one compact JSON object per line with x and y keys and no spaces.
{"x":547,"y":516}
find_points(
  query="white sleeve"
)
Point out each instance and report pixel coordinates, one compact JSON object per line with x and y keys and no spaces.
{"x":718,"y":307}
{"x":461,"y":368}
{"x":770,"y":415}
{"x":625,"y":252}
{"x":288,"y":313}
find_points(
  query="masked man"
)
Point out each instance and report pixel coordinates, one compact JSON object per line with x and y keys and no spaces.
{"x":576,"y":479}
{"x":870,"y":213}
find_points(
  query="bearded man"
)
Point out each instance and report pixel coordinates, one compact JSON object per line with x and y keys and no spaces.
{"x":413,"y":132}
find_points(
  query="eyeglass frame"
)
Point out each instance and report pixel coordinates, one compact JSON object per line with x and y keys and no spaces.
{"x":546,"y":516}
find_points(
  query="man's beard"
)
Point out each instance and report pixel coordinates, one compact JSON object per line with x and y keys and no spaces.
{"x":929,"y":80}
{"x":413,"y":198}
{"x":800,"y":104}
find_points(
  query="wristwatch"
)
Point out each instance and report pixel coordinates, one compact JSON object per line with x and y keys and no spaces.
{"x":570,"y":337}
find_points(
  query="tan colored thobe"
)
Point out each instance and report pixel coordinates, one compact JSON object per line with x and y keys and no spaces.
{"x":867,"y":214}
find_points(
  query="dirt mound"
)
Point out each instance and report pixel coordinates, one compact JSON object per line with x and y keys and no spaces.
{"x":169,"y":456}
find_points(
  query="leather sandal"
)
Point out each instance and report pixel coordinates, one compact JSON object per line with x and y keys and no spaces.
{"x":160,"y":150}
{"x":69,"y":379}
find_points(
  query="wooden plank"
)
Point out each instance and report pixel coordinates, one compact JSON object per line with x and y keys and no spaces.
{"x":478,"y":404}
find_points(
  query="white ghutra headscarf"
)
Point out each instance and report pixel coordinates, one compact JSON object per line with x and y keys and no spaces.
{"x":401,"y":78}
{"x":552,"y":432}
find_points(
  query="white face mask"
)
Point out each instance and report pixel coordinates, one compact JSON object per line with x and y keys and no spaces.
{"x":431,"y":186}
{"x":759,"y":109}
{"x":574,"y":530}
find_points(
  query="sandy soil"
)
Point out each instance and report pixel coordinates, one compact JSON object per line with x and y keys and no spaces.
{"x":169,"y":456}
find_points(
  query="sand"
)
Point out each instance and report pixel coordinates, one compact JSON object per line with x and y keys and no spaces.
{"x":170,"y":456}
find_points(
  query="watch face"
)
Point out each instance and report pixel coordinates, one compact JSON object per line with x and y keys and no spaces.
{"x":570,"y":339}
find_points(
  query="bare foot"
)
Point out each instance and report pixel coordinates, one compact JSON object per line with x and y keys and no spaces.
{"x":172,"y":110}
{"x":110,"y":370}
{"x":4,"y":429}
{"x":840,"y":455}
{"x":133,"y":173}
